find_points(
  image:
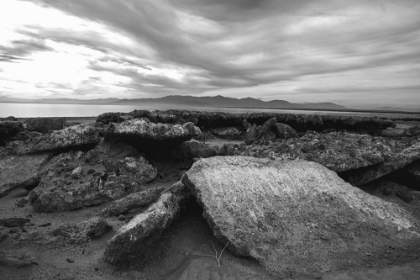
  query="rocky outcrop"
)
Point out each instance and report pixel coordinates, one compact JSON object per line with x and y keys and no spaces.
{"x":20,"y":171}
{"x":75,"y":180}
{"x":107,"y":118}
{"x":68,"y":138}
{"x":9,"y":129}
{"x":283,"y":131}
{"x":132,"y":240}
{"x":193,"y":149}
{"x":294,"y":217}
{"x":153,"y":133}
{"x":300,"y":123}
{"x":231,"y":133}
{"x":44,"y":125}
{"x":132,"y":201}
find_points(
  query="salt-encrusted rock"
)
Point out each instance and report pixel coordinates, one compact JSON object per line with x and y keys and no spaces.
{"x":132,"y":239}
{"x":9,"y":129}
{"x":392,"y":163}
{"x":193,"y":149}
{"x":294,"y":217}
{"x":251,"y":133}
{"x":99,"y":179}
{"x":43,"y":125}
{"x":132,"y":201}
{"x":143,"y":129}
{"x":20,"y":171}
{"x":283,"y":131}
{"x":231,"y":133}
{"x":70,"y":137}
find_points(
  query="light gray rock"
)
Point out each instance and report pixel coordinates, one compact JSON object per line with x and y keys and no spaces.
{"x":294,"y":217}
{"x":231,"y":133}
{"x":131,"y":240}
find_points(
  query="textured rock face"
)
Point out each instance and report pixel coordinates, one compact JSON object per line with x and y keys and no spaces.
{"x":193,"y":149}
{"x":143,"y":129}
{"x":131,"y":240}
{"x":132,"y":201}
{"x":20,"y":171}
{"x":70,"y":137}
{"x":75,"y":180}
{"x":8,"y":129}
{"x":283,"y":131}
{"x":43,"y":125}
{"x":295,"y":217}
{"x":231,"y":133}
{"x":300,"y":123}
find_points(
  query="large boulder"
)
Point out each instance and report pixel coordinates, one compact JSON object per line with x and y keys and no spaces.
{"x":295,"y":217}
{"x":193,"y":149}
{"x":283,"y":131}
{"x":132,"y":240}
{"x":71,"y":137}
{"x":43,"y":125}
{"x":153,"y":133}
{"x":76,"y":179}
{"x":9,"y":129}
{"x":21,"y":171}
{"x":231,"y":133}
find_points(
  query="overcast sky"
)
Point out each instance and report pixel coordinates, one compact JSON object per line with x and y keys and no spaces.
{"x":348,"y":52}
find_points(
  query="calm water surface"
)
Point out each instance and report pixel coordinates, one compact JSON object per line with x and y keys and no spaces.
{"x":21,"y":110}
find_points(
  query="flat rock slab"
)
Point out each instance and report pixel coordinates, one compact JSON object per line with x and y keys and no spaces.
{"x":132,"y":240}
{"x":294,"y":217}
{"x":143,"y":129}
{"x":20,"y":171}
{"x":70,"y":137}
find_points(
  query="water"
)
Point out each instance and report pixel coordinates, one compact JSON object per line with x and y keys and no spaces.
{"x":25,"y":110}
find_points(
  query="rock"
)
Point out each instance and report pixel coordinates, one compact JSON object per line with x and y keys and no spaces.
{"x":11,"y":118}
{"x":25,"y":135}
{"x":9,"y":129}
{"x":20,"y":193}
{"x":45,"y":225}
{"x":13,"y":222}
{"x":107,"y":118}
{"x":299,"y":122}
{"x":268,"y":126}
{"x":231,"y":133}
{"x":68,"y":138}
{"x":20,"y":171}
{"x":294,"y":217}
{"x":245,"y":124}
{"x":83,"y":232}
{"x":132,"y":201}
{"x":77,"y":172}
{"x":131,"y":240}
{"x":283,"y":131}
{"x":144,"y":130}
{"x":251,"y":133}
{"x":3,"y":236}
{"x":70,"y":260}
{"x":21,"y":202}
{"x":44,"y":125}
{"x":394,"y":132}
{"x":392,"y":163}
{"x":13,"y":259}
{"x":193,"y":148}
{"x":59,"y":191}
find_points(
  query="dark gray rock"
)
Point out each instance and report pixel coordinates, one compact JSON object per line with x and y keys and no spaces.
{"x":283,"y":131}
{"x":9,"y":129}
{"x":294,"y":217}
{"x":193,"y":149}
{"x":44,"y":125}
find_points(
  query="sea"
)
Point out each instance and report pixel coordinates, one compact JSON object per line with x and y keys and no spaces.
{"x":27,"y":110}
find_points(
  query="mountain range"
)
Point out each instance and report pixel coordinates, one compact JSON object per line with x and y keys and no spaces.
{"x":206,"y":101}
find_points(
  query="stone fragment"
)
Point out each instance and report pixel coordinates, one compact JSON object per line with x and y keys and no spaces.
{"x":13,"y":222}
{"x":231,"y":133}
{"x":294,"y":217}
{"x":192,"y":149}
{"x":131,"y":240}
{"x":132,"y":201}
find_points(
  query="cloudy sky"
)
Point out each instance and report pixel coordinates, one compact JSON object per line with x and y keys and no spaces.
{"x":355,"y":53}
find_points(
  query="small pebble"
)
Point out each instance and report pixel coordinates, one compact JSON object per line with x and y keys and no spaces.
{"x":45,"y":225}
{"x":70,"y":260}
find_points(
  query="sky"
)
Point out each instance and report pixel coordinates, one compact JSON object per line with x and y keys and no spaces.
{"x":359,"y":53}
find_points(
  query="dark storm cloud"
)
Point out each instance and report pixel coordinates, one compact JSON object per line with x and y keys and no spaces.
{"x":22,"y":48}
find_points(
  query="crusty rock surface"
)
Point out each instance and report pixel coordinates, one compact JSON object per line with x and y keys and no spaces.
{"x":95,"y":183}
{"x":131,"y":240}
{"x":67,"y":138}
{"x":20,"y":171}
{"x":144,"y":129}
{"x":43,"y":125}
{"x":294,"y":217}
{"x":132,"y":201}
{"x":231,"y":133}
